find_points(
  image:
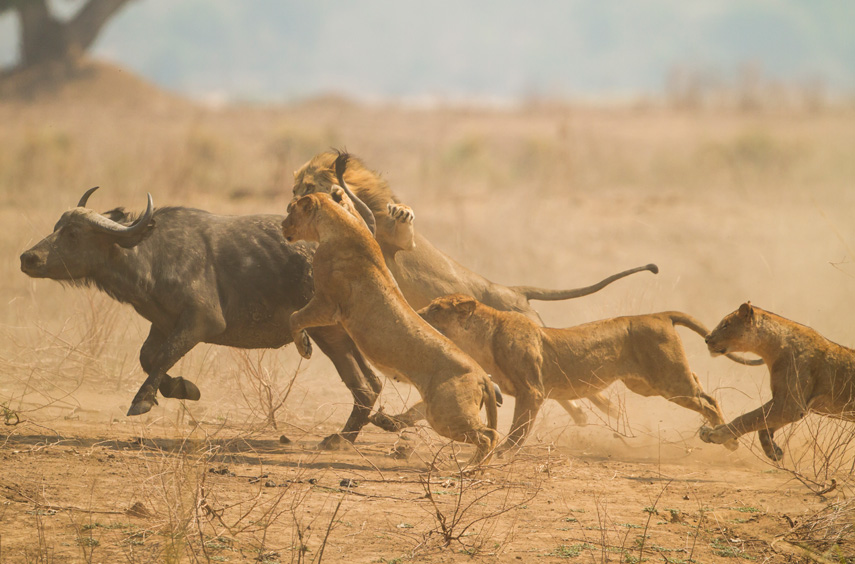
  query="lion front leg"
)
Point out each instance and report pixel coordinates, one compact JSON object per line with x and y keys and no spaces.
{"x":319,"y":312}
{"x":396,"y":230}
{"x":765,"y":419}
{"x":527,"y":405}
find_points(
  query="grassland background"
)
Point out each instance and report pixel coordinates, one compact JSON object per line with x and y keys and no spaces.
{"x":732,"y":205}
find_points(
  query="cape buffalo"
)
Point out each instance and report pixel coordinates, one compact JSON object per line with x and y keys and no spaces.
{"x":198,"y":277}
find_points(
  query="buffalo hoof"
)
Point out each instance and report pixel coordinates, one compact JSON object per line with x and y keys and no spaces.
{"x":179,"y":388}
{"x":304,"y":345}
{"x":334,"y":442}
{"x":140,"y":407}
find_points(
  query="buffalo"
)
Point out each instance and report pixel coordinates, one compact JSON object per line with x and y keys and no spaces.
{"x":198,"y":278}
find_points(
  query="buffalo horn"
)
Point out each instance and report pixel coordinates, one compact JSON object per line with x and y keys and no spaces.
{"x":110,"y":226}
{"x":85,"y":197}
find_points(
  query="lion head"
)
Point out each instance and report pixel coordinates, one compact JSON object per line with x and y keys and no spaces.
{"x":448,"y":314}
{"x":318,"y":175}
{"x":735,"y":332}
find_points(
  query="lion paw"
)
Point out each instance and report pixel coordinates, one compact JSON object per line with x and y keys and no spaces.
{"x":387,"y":422}
{"x":774,"y":452}
{"x":718,"y":435}
{"x":304,"y":345}
{"x":400,"y":213}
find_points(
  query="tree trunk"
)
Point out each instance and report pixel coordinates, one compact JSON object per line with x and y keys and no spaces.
{"x":45,"y":39}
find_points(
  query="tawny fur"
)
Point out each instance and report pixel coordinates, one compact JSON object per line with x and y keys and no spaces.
{"x":532,"y":362}
{"x":354,"y":288}
{"x":807,"y":373}
{"x":424,"y":272}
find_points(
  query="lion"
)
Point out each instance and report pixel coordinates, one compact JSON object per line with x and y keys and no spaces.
{"x":423,"y":272}
{"x":354,"y":288}
{"x":807,"y":373}
{"x":533,"y":363}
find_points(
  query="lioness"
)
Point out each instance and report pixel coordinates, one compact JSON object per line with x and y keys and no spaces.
{"x":424,"y":272}
{"x":532,"y":362}
{"x":807,"y":372}
{"x":354,"y":288}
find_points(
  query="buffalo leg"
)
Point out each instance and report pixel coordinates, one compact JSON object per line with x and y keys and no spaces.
{"x":191,"y":328}
{"x":177,"y":388}
{"x":354,"y":371}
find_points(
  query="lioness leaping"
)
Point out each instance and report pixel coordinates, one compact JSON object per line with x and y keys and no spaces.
{"x":354,"y":288}
{"x":423,"y":272}
{"x":807,"y":372}
{"x":532,"y":362}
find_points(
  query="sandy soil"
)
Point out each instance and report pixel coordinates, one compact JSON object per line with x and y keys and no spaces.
{"x":731,"y":206}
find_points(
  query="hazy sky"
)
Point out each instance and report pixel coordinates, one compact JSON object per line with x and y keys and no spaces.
{"x":497,"y":49}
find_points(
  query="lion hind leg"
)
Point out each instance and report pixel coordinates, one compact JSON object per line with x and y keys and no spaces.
{"x":576,"y":412}
{"x":770,"y":447}
{"x":683,"y":388}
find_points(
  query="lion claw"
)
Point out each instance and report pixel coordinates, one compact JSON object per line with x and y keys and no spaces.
{"x":304,"y":345}
{"x":400,"y":213}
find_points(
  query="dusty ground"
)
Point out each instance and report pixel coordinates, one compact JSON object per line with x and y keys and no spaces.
{"x":731,"y":206}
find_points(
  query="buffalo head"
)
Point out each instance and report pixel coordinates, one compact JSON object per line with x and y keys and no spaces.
{"x":82,"y":241}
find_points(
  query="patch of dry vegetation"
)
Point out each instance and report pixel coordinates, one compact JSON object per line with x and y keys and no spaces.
{"x":732,"y":205}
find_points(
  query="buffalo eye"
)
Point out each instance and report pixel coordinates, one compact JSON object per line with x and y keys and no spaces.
{"x":71,"y":234}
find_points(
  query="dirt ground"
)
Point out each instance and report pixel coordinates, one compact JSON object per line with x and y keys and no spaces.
{"x":731,"y":205}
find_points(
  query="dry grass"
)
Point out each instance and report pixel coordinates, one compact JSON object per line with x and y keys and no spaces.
{"x":732,"y":205}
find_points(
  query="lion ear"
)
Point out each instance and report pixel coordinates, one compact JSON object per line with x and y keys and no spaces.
{"x":746,"y":310}
{"x":465,"y":306}
{"x":306,"y":204}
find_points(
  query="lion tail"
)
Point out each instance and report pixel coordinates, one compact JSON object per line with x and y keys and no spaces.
{"x":686,"y":320}
{"x":493,"y":400}
{"x":534,"y":293}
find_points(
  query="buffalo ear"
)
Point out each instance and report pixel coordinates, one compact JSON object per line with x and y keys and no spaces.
{"x":116,"y":214}
{"x":746,"y":311}
{"x":137,"y":238}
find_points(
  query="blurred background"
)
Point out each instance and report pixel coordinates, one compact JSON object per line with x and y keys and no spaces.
{"x":487,"y":52}
{"x":549,"y":144}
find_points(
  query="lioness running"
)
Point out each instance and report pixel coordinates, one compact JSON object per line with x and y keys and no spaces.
{"x":424,"y":272}
{"x":532,"y":363}
{"x":807,"y":372}
{"x":354,"y":288}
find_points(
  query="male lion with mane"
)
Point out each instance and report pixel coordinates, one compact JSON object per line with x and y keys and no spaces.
{"x":807,"y":373}
{"x":424,"y":273}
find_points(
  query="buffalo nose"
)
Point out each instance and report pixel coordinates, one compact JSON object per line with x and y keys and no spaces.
{"x":29,"y":260}
{"x":707,"y":339}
